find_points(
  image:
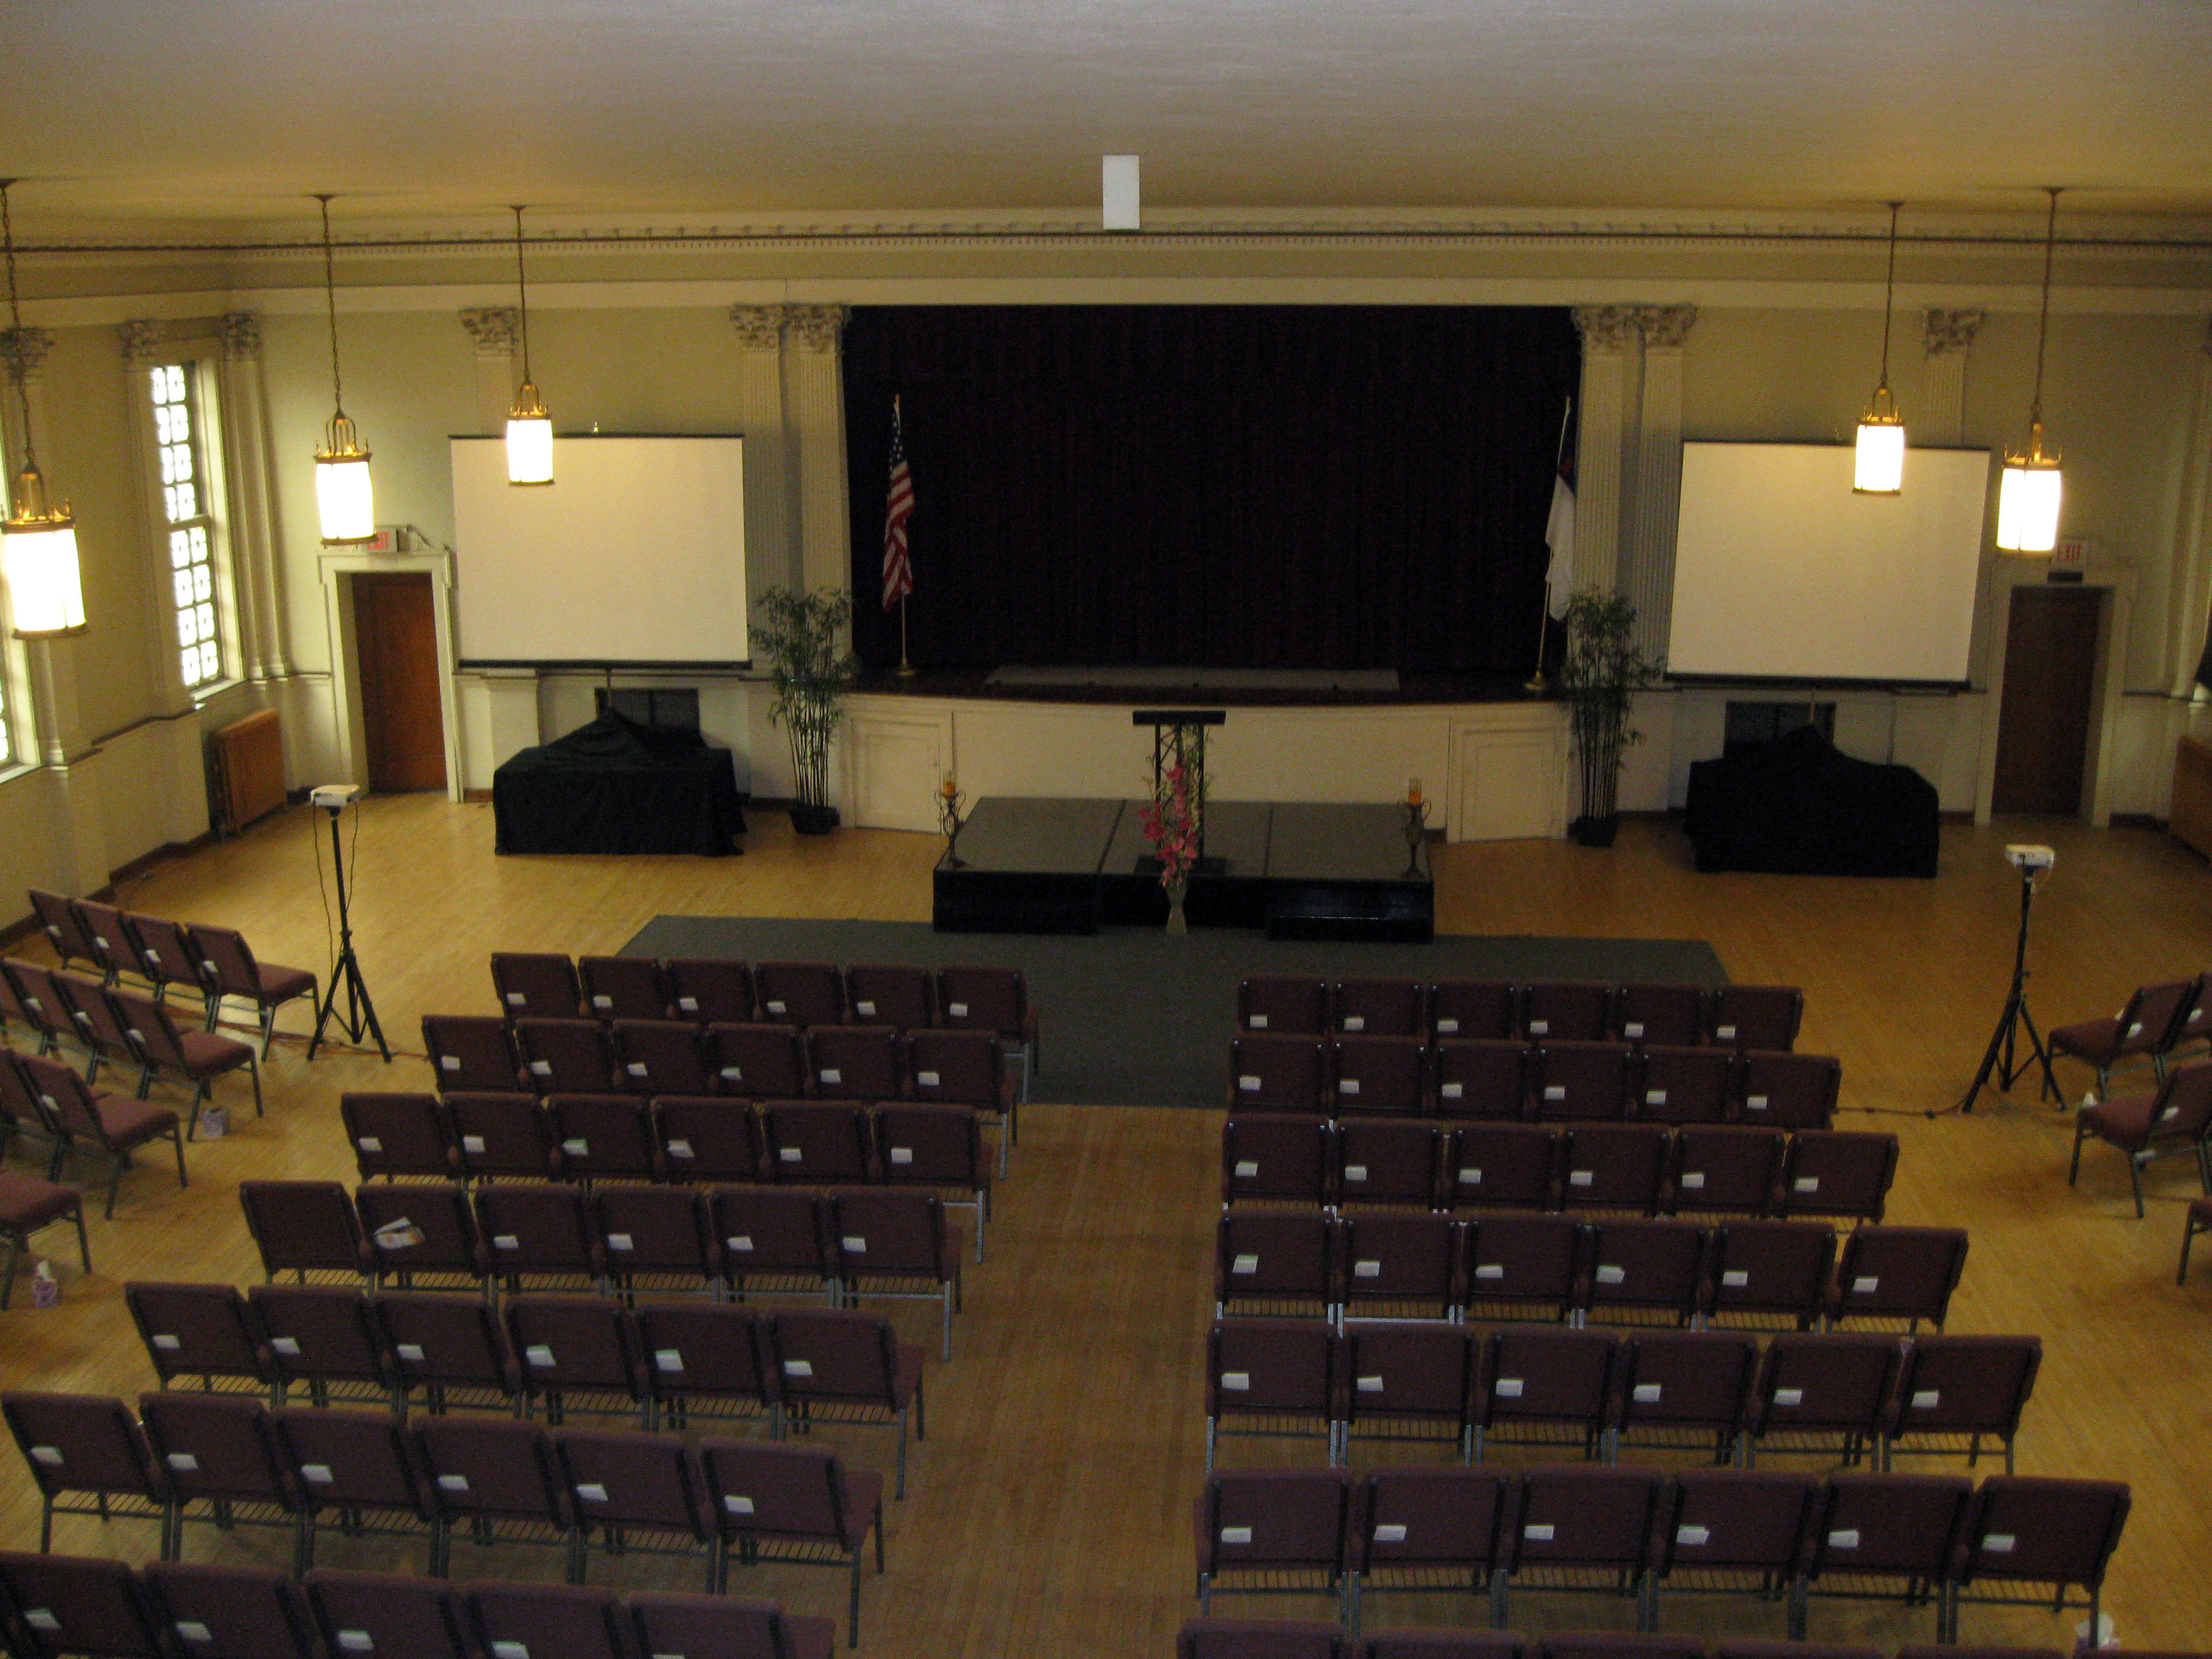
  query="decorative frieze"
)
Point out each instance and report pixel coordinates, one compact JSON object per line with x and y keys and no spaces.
{"x":1951,"y":331}
{"x":24,"y":351}
{"x":135,"y":339}
{"x":241,"y":334}
{"x":496,"y":329}
{"x":759,"y":328}
{"x":1607,"y":328}
{"x":817,"y":328}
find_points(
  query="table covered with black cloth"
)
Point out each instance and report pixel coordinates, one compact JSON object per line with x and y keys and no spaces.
{"x":1798,"y":806}
{"x":617,"y":787}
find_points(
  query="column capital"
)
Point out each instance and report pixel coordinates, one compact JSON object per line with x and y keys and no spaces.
{"x":24,"y":350}
{"x":1951,"y":331}
{"x":1606,"y":328}
{"x":760,"y":328}
{"x":817,"y":328}
{"x":135,"y":339}
{"x":1665,"y":327}
{"x":241,"y":334}
{"x":496,"y":329}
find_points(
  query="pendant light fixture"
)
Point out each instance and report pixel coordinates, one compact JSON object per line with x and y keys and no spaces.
{"x":2027,"y":499}
{"x":529,"y":428}
{"x":1878,"y":469}
{"x":344,"y":500}
{"x":38,"y":541}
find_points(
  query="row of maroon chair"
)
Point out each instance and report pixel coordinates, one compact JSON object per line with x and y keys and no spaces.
{"x":1648,"y":1168}
{"x":59,"y":1604}
{"x":215,"y":962}
{"x":1549,"y":1079}
{"x":43,"y":1098}
{"x":1925,"y":1540}
{"x":2156,"y":1023}
{"x":2175,"y":1115}
{"x":676,"y":1137}
{"x":1514,"y":1264}
{"x":669,"y":1363}
{"x":1727,"y":1016}
{"x":848,"y":1244}
{"x":1284,"y":1638}
{"x":960,"y":996}
{"x":1850,"y":1394}
{"x":126,"y":1029}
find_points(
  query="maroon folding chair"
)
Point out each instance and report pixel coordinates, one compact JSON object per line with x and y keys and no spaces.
{"x":302,"y":1227}
{"x":1724,"y":1168}
{"x":855,"y":1062}
{"x":40,"y":999}
{"x":165,"y":955}
{"x":2027,"y":1540}
{"x":229,"y":968}
{"x":535,"y":985}
{"x":1824,"y":1394}
{"x":1426,"y":1529}
{"x":897,"y":995}
{"x":494,"y":1480}
{"x":1684,"y":1388}
{"x":800,"y":993}
{"x":448,"y":1350}
{"x":96,"y":1026}
{"x":571,"y":1620}
{"x":1275,"y":1262}
{"x":223,"y":1464}
{"x":421,"y":1235}
{"x":472,"y":1054}
{"x":661,"y":1057}
{"x":895,"y":1242}
{"x":1546,"y":1385}
{"x":1277,"y":1071}
{"x":540,"y":1232}
{"x":399,"y":1134}
{"x":64,"y":928}
{"x":1277,"y":1158}
{"x":965,"y":1068}
{"x":384,"y":1615}
{"x":323,"y":1340}
{"x":1379,"y":1008}
{"x":1614,"y":1166}
{"x":2145,"y":1028}
{"x":775,"y":1239}
{"x":1960,"y":1388}
{"x":1413,"y":1382}
{"x":354,"y":1465}
{"x":116,"y":951}
{"x":1684,"y":1085}
{"x":711,"y":990}
{"x":1506,"y":1165}
{"x":813,"y":1143}
{"x":1378,"y":1074}
{"x":1389,"y":1160}
{"x":2176,"y":1117}
{"x":1518,"y":1266}
{"x":1885,"y":1537}
{"x":973,"y":998}
{"x":565,"y":1056}
{"x":111,"y":1125}
{"x":70,"y":1604}
{"x":787,"y":1503}
{"x":761,"y":1062}
{"x":1286,"y":1004}
{"x":1643,"y":1268}
{"x":201,"y":1332}
{"x":1586,"y":1080}
{"x":1564,"y":1010}
{"x":1405,"y":1263}
{"x":232,"y":1613}
{"x":623,"y":987}
{"x":638,"y":1493}
{"x":503,"y":1135}
{"x":707,"y":1138}
{"x":1581,"y":1529}
{"x":1278,"y":1378}
{"x":1755,"y":1016}
{"x":1470,"y":1008}
{"x":87,"y":1448}
{"x":578,"y":1353}
{"x":1766,"y":1270}
{"x":1482,"y":1076}
{"x":1785,"y":1091}
{"x":848,"y":1367}
{"x":670,"y":1623}
{"x":940,"y":1147}
{"x":603,"y":1136}
{"x":1274,"y":1531}
{"x":707,"y":1359}
{"x":197,"y":1057}
{"x":1659,"y":1016}
{"x":657,"y":1236}
{"x":1735,"y":1532}
{"x":1844,"y":1173}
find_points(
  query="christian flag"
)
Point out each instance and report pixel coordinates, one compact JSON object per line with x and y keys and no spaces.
{"x":898,"y":508}
{"x":1559,"y":528}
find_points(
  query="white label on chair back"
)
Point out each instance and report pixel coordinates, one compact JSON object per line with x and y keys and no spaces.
{"x":957,"y":1010}
{"x":1538,"y":1532}
{"x":509,"y":1650}
{"x":867,"y":1008}
{"x":1490,"y":1270}
{"x":1347,"y":1086}
{"x":668,"y":1359}
{"x":1790,"y":1396}
{"x":541,"y":1068}
{"x":506,"y":1242}
{"x":1926,"y":1400}
{"x":473,"y":1144}
{"x":1647,"y":1393}
{"x":1355,"y":1172}
{"x":166,"y":1344}
{"x":1370,"y":1385}
{"x":1446,"y":1027}
{"x":741,"y":1243}
{"x":1692,"y":1180}
{"x":1245,"y":1264}
{"x":1236,"y":1534}
{"x":191,"y":1630}
{"x":576,"y":1146}
{"x":355,"y":1641}
{"x":901,"y":1154}
{"x":1469,"y":1177}
{"x":1655,"y":1096}
{"x":1580,"y":1177}
{"x":1725,"y":1033}
{"x":854,"y":1243}
{"x":1367,"y":1270}
{"x":635,"y":1069}
{"x":680,"y":1149}
{"x":1355,"y":1022}
{"x":797,"y":1368}
{"x":515,"y":999}
{"x":1555,"y":1091}
{"x":737,"y":1502}
{"x":50,"y":1455}
{"x":41,"y":1619}
{"x":369,"y":1144}
{"x":2134,"y":1028}
{"x":1236,"y":1382}
{"x":832,"y":1075}
{"x":1693,"y":1536}
{"x":774,"y":1006}
{"x":1734,"y":1279}
{"x":688,"y":1004}
{"x":598,"y":1001}
{"x":1997,"y":1543}
{"x":2171,"y":1111}
{"x":1247,"y":1083}
{"x":1507,"y":1387}
{"x":537,"y":1354}
{"x":927,"y":1079}
{"x":1806,"y":1184}
{"x":315,"y":1474}
{"x":620,"y":1242}
{"x":1257,"y":1022}
{"x":1247,"y":1168}
{"x":1846,"y":1540}
{"x":287,"y":1345}
{"x":449,"y":1062}
{"x":1609,"y":1274}
{"x":1539,"y":1027}
{"x":591,"y":1492}
{"x":183,"y":1462}
{"x":1866,"y":1286}
{"x":410,"y":1352}
{"x":734,"y":1074}
{"x":1633,"y":1028}
{"x":1754,"y":1102}
{"x":1451,"y":1091}
{"x":791,"y":1154}
{"x":1387,"y":1533}
{"x":452,"y":1483}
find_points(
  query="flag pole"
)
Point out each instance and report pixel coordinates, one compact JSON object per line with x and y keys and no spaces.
{"x":905,"y":669}
{"x":1536,"y":684}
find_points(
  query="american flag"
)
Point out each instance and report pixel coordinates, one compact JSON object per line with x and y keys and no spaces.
{"x":898,"y":508}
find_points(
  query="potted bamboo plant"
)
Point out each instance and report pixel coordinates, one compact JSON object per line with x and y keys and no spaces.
{"x":1599,"y":677}
{"x":809,"y":676}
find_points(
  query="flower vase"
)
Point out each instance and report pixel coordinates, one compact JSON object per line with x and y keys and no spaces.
{"x":1177,"y":924}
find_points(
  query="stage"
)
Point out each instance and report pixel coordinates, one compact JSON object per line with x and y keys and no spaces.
{"x":1057,"y":864}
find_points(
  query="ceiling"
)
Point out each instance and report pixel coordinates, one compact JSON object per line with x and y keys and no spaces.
{"x":152,"y":118}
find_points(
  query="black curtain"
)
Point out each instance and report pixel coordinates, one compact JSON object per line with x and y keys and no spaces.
{"x":1222,"y":486}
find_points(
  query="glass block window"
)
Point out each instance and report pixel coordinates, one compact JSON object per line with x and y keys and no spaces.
{"x":183,"y":474}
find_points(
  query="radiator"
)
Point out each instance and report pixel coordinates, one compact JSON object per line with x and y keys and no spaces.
{"x":248,"y":761}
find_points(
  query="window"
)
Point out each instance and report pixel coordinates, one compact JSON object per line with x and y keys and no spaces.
{"x":185,"y":510}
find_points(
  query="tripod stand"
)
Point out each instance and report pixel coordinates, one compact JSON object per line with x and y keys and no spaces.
{"x":2015,"y":1015}
{"x":359,"y":1012}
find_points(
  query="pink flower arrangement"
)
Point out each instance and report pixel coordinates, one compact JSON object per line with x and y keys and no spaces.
{"x":1171,"y":823}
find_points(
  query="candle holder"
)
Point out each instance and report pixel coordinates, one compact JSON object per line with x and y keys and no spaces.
{"x":1416,"y":831}
{"x":950,"y":822}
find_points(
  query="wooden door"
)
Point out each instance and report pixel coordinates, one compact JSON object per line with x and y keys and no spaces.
{"x":396,"y":649}
{"x":2050,"y":685}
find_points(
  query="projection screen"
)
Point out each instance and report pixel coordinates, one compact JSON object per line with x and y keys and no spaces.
{"x":634,"y":554}
{"x":1781,"y":572}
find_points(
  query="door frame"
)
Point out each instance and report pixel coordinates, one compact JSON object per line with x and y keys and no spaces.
{"x":337,"y":569}
{"x":2115,"y":580}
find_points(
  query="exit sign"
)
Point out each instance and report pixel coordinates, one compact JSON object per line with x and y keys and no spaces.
{"x":2070,"y":556}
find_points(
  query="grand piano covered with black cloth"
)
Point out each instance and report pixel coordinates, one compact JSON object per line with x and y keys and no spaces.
{"x":616,"y":786}
{"x":1798,"y":806}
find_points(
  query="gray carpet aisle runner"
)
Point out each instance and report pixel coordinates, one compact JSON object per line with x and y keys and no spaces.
{"x":1137,"y":1018}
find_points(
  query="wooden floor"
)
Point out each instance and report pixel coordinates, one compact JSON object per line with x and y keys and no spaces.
{"x":1050,"y":1510}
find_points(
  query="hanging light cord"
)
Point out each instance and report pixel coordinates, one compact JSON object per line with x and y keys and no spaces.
{"x":2043,"y":322}
{"x":1889,"y":294}
{"x":15,"y":313}
{"x":330,"y":295}
{"x":522,"y":297}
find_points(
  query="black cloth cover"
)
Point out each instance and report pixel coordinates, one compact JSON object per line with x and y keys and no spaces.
{"x":617,"y":787}
{"x":1798,"y":807}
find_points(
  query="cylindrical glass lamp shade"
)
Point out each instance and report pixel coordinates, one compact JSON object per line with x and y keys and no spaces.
{"x":1878,"y":468}
{"x":2028,"y":505}
{"x":529,"y":440}
{"x":344,"y":500}
{"x":44,"y":589}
